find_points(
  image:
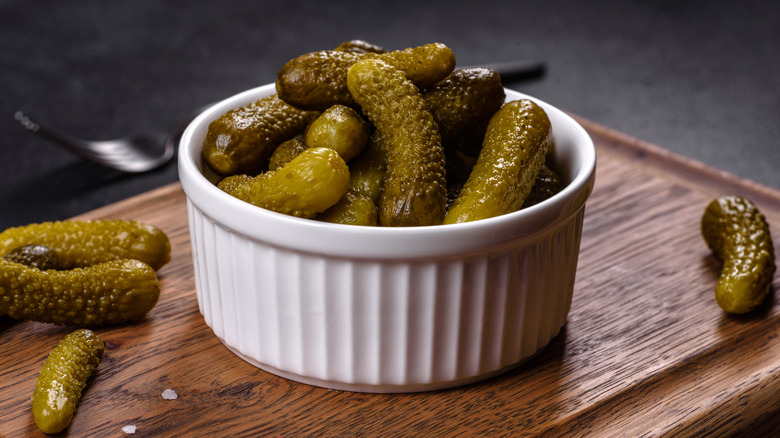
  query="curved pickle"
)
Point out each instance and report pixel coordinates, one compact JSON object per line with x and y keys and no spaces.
{"x":63,"y":377}
{"x":738,"y":235}
{"x":414,"y":192}
{"x":513,"y":152}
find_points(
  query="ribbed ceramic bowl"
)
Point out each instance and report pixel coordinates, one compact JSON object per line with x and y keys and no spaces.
{"x":385,"y":309}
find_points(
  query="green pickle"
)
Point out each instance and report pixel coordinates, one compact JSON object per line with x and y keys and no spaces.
{"x":353,"y":209}
{"x":339,"y":128}
{"x":738,"y":235}
{"x":62,"y":379}
{"x":311,"y":183}
{"x":317,"y":80}
{"x":111,"y":292}
{"x":285,"y":152}
{"x":35,"y":256}
{"x":85,"y":243}
{"x":462,"y":105}
{"x":241,"y":140}
{"x":513,"y":152}
{"x":414,"y":190}
{"x":367,"y":171}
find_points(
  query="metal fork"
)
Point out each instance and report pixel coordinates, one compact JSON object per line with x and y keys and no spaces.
{"x":142,"y":153}
{"x":129,"y":154}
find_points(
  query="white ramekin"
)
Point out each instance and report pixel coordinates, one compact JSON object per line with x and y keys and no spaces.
{"x":385,"y":309}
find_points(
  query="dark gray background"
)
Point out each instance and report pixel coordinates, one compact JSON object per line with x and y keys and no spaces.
{"x":700,"y":78}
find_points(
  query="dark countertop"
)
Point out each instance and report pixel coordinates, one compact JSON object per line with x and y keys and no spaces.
{"x":700,"y":78}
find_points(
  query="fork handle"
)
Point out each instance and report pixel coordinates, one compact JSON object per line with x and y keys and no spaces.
{"x":72,"y":144}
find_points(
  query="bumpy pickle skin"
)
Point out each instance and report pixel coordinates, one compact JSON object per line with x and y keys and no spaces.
{"x":738,"y":235}
{"x":462,"y":105}
{"x":62,"y":379}
{"x":339,"y":128}
{"x":414,"y":192}
{"x":309,"y":184}
{"x":317,"y":80}
{"x":285,"y":152}
{"x":241,"y":140}
{"x":35,"y":256}
{"x":85,"y":243}
{"x":367,"y":171}
{"x":107,"y":293}
{"x":353,"y":209}
{"x":513,"y":151}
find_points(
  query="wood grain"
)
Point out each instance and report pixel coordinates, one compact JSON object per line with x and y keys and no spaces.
{"x":646,"y":350}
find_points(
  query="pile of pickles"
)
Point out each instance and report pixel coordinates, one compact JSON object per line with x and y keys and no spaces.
{"x":77,"y":273}
{"x":361,"y":135}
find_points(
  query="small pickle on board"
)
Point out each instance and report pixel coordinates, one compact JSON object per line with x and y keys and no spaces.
{"x":311,"y":183}
{"x":340,"y":128}
{"x":414,"y":192}
{"x":513,"y":152}
{"x":738,"y":235}
{"x":107,"y":293}
{"x":317,"y":80}
{"x":241,"y":140}
{"x":85,"y":243}
{"x":62,"y":379}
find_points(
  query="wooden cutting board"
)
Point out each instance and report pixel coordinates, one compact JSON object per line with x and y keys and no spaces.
{"x":646,"y":351}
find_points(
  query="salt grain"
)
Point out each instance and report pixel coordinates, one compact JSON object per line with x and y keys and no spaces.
{"x":128,"y":429}
{"x":169,"y":394}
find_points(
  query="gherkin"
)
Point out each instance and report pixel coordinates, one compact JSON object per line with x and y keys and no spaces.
{"x":106,"y":293}
{"x":309,"y":184}
{"x":318,"y":80}
{"x":63,"y":377}
{"x":241,"y":140}
{"x":738,"y":235}
{"x":85,"y":243}
{"x":414,"y":192}
{"x":513,"y":152}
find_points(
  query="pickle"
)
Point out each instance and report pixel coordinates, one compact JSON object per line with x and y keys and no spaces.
{"x":462,"y":105}
{"x":309,"y":184}
{"x":84,"y":243}
{"x":35,"y":256}
{"x":359,"y":46}
{"x":367,"y":171}
{"x":513,"y":151}
{"x":339,"y":128}
{"x":107,"y":293}
{"x":414,"y":190}
{"x":285,"y":152}
{"x":317,"y":80}
{"x":547,"y":184}
{"x":241,"y":140}
{"x":63,"y":377}
{"x":353,"y":209}
{"x":738,"y":235}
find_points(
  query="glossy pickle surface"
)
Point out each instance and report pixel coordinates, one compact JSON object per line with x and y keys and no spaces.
{"x":309,"y":184}
{"x":62,"y":379}
{"x":513,"y":152}
{"x":738,"y":235}
{"x":414,"y":192}
{"x":85,"y":243}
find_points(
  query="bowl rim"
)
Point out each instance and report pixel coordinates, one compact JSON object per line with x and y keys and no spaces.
{"x":313,"y":236}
